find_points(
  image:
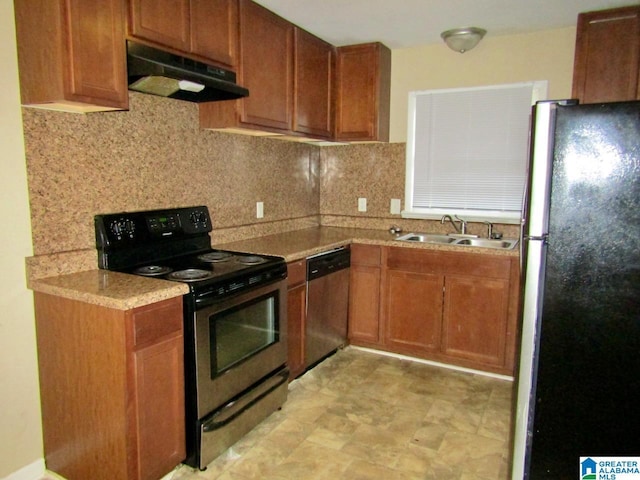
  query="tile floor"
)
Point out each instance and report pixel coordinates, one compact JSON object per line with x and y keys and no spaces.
{"x":360,"y":415}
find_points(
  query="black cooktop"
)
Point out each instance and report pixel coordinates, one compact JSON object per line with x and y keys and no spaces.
{"x":175,"y":245}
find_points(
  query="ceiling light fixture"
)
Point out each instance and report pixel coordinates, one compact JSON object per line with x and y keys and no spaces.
{"x":463,"y":39}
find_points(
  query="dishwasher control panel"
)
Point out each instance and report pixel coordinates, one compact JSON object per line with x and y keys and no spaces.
{"x":328,"y":262}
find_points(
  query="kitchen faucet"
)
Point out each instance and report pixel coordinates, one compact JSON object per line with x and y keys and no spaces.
{"x":489,"y":229}
{"x":462,"y":229}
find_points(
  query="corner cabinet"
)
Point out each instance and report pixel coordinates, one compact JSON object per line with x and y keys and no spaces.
{"x":607,"y":56}
{"x":112,"y":388}
{"x":363,"y":92}
{"x":206,"y":29}
{"x":71,"y":54}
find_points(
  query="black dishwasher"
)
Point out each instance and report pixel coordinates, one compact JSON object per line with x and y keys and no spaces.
{"x":327,"y":303}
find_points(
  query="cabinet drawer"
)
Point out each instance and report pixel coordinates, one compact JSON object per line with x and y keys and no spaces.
{"x":365,"y":255}
{"x":296,"y":273}
{"x":153,"y":322}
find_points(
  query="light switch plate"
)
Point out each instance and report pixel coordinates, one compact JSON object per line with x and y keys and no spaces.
{"x":259,"y":210}
{"x":362,"y":204}
{"x":395,"y":206}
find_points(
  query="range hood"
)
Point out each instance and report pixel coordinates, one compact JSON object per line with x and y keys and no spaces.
{"x":161,"y":73}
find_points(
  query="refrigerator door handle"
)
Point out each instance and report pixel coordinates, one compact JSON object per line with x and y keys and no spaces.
{"x":542,"y":238}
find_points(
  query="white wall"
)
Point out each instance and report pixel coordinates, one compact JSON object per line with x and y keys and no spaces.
{"x":20,"y":424}
{"x":544,"y":55}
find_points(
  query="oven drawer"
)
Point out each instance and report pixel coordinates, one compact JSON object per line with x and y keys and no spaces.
{"x":228,"y":424}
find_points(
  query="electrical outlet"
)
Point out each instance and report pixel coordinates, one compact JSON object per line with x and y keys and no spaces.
{"x":259,"y":210}
{"x":362,"y":204}
{"x":395,"y":206}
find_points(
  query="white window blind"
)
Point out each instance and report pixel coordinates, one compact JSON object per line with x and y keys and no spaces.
{"x":467,"y":151}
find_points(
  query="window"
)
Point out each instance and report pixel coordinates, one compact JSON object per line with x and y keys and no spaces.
{"x":467,"y":151}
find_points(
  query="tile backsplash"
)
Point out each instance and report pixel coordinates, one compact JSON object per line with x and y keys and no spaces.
{"x":156,"y":156}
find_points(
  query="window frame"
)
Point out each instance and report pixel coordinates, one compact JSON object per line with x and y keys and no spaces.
{"x":538,"y":92}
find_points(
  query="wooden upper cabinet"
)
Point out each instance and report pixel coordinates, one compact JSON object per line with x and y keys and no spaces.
{"x":166,"y":22}
{"x":71,"y":54}
{"x":266,"y":43}
{"x":607,"y":55}
{"x":214,"y":30}
{"x":314,"y":65}
{"x":206,"y":29}
{"x":265,"y":66}
{"x":363,"y":93}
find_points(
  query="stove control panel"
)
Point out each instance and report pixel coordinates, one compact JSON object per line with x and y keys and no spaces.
{"x":142,"y":228}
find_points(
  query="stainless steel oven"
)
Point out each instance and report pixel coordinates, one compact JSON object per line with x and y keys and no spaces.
{"x":235,"y":319}
{"x":240,"y":354}
{"x":239,"y":341}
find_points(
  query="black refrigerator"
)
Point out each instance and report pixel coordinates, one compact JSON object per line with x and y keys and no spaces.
{"x":578,"y":383}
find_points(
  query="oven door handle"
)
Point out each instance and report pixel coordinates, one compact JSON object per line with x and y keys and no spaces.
{"x":236,"y":408}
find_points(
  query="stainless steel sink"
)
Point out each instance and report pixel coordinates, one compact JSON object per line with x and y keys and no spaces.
{"x":505,"y":244}
{"x":427,"y":238}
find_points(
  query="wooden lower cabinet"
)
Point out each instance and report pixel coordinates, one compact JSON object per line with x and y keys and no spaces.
{"x":413,"y":311}
{"x":475,"y":319}
{"x":296,"y":316}
{"x":450,"y":307}
{"x":112,"y":388}
{"x":364,"y":295}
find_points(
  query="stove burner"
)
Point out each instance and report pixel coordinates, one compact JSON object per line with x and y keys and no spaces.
{"x":250,"y":260}
{"x":215,"y":257}
{"x":190,"y":275}
{"x":152,"y":270}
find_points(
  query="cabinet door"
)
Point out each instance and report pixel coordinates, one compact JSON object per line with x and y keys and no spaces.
{"x":607,"y":55}
{"x":296,"y":314}
{"x":97,"y":56}
{"x":364,"y":304}
{"x":160,"y":407}
{"x":72,"y":54}
{"x":363,"y":92}
{"x":296,"y":306}
{"x":413,"y":312}
{"x":313,"y":82}
{"x":158,"y":388}
{"x":265,"y":67}
{"x":214,"y":30}
{"x":166,"y":22}
{"x":475,"y":319}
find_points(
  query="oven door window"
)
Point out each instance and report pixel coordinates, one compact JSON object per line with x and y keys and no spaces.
{"x":242,"y":331}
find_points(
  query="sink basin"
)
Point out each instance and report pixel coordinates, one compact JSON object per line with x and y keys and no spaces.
{"x":426,"y":238}
{"x":506,"y":243}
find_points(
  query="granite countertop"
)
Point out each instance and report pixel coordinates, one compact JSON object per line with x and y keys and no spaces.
{"x":116,"y":290}
{"x":303,"y":243}
{"x":125,"y":291}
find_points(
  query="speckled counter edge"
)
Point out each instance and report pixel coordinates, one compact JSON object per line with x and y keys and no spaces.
{"x":115,"y":290}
